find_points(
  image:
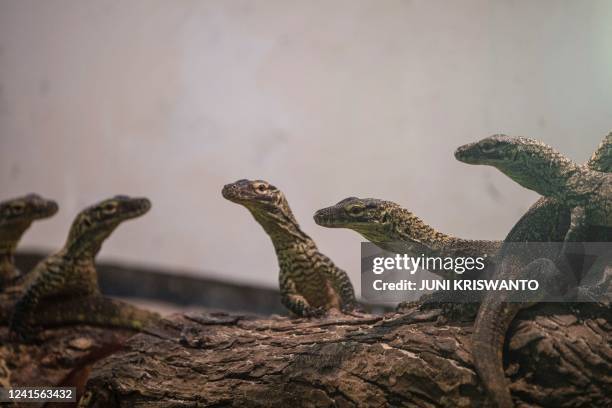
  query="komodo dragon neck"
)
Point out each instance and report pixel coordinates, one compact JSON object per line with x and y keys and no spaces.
{"x":83,"y":250}
{"x":411,"y":228}
{"x":403,"y":226}
{"x":601,"y":160}
{"x":284,"y":231}
{"x":9,"y":239}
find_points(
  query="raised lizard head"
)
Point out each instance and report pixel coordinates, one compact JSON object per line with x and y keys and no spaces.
{"x":529,"y":162}
{"x":17,"y":214}
{"x":379,"y":221}
{"x":265,"y":201}
{"x":502,"y":150}
{"x":94,"y":224}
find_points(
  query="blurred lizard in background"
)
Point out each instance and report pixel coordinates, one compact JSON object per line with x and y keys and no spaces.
{"x":70,"y":274}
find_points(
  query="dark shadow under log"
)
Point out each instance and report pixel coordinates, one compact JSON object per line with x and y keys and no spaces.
{"x":557,"y":356}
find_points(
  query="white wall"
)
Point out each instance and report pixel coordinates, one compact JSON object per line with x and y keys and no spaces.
{"x":172,"y":99}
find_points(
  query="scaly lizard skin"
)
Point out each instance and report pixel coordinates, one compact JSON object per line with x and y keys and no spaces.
{"x":396,"y":229}
{"x":601,"y":160}
{"x":71,"y":273}
{"x":547,"y":220}
{"x":16,"y":216}
{"x":310,"y":283}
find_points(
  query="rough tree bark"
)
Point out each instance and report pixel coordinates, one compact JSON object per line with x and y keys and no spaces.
{"x":558,"y":356}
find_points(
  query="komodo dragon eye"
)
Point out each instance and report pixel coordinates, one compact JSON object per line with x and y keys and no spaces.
{"x":488,"y":147}
{"x":109,"y":208}
{"x":17,"y":208}
{"x":355,"y":210}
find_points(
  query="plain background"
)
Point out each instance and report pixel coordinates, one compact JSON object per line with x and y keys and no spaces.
{"x":325,"y":99}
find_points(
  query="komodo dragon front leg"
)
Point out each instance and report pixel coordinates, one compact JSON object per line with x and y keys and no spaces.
{"x":296,"y":303}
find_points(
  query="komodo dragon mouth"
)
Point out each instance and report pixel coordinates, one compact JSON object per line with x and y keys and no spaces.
{"x":135,"y":207}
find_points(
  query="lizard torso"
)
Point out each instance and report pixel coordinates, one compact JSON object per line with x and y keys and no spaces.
{"x":308,"y":269}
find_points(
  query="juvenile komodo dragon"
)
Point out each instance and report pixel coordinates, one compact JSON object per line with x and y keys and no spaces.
{"x":70,"y":277}
{"x":310,"y":283}
{"x":16,"y":216}
{"x":547,"y":220}
{"x":395,"y":229}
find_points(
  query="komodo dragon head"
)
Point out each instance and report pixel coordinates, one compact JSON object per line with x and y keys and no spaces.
{"x":501,"y":150}
{"x":17,"y":214}
{"x":368,"y":216}
{"x":94,"y":224}
{"x":22,"y":211}
{"x":355,"y":213}
{"x":260,"y":197}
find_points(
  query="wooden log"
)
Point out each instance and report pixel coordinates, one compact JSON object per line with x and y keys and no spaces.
{"x":557,"y":356}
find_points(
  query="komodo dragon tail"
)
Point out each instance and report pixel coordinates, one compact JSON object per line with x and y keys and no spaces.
{"x":494,"y":318}
{"x":96,"y":311}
